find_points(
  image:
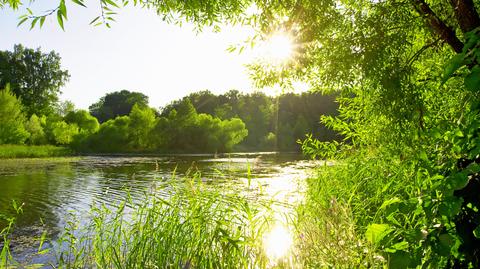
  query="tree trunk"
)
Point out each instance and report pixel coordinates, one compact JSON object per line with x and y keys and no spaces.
{"x":466,"y":14}
{"x":445,"y":32}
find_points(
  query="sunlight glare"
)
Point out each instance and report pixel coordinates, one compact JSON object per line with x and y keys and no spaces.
{"x":278,"y":48}
{"x":277,"y":242}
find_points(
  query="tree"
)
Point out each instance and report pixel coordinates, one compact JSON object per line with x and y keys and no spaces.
{"x":142,"y":122}
{"x":113,"y":136}
{"x":397,"y":99}
{"x":12,"y":130}
{"x":116,"y":104}
{"x":233,"y":131}
{"x":35,"y":127}
{"x":63,"y":108}
{"x":34,"y":77}
{"x":63,"y":133}
{"x":85,"y":122}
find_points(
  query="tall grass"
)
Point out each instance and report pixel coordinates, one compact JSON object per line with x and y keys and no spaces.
{"x":375,"y":211}
{"x":190,"y":225}
{"x":24,"y":151}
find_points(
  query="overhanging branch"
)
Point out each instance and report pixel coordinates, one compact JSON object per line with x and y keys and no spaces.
{"x":445,"y":32}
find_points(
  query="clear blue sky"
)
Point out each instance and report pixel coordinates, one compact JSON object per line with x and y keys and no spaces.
{"x":139,"y":53}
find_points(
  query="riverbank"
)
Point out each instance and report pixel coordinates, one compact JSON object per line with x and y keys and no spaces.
{"x":24,"y":151}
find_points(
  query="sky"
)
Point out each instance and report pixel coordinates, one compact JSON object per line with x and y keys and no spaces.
{"x":139,"y":53}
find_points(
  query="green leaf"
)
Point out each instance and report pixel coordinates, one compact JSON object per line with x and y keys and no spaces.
{"x":447,"y":242}
{"x":376,"y":232}
{"x":390,"y":202}
{"x":472,"y":80}
{"x":459,"y":180}
{"x":111,"y":2}
{"x":22,"y":21}
{"x":60,"y":19}
{"x":397,"y":247}
{"x":63,"y":9}
{"x":473,"y":168}
{"x":476,"y":232}
{"x":453,"y":65}
{"x":34,"y":21}
{"x":42,"y":20}
{"x":79,"y":2}
{"x":400,"y":259}
{"x":450,"y":206}
{"x":423,"y":155}
{"x":94,"y":20}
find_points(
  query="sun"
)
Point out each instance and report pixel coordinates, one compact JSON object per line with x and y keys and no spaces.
{"x":278,"y":48}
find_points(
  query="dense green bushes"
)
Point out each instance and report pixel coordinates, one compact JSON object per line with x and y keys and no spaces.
{"x":12,"y":129}
{"x":410,"y":184}
{"x":298,"y":114}
{"x":182,"y":131}
{"x":140,"y":131}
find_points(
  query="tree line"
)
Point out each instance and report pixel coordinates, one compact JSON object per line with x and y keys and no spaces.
{"x":123,"y":121}
{"x":273,"y":123}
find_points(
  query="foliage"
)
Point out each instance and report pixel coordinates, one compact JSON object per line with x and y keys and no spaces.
{"x":62,"y":132}
{"x":117,"y":104}
{"x":407,"y":173}
{"x":142,"y":122}
{"x":35,"y":127}
{"x":413,"y":201}
{"x":112,"y":136}
{"x":85,"y":122}
{"x":298,"y":114}
{"x":187,"y":131}
{"x":196,"y":226}
{"x":12,"y":130}
{"x":34,"y":77}
{"x":24,"y":151}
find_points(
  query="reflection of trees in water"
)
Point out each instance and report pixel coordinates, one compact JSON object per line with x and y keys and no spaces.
{"x":50,"y":190}
{"x":40,"y":188}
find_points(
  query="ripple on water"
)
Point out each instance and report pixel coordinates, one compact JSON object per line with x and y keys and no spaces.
{"x":51,"y":190}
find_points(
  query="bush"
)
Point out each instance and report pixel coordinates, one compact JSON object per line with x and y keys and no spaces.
{"x":85,"y":122}
{"x":35,"y":127}
{"x":12,"y":130}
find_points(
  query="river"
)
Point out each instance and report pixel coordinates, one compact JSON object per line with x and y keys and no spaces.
{"x":51,"y":190}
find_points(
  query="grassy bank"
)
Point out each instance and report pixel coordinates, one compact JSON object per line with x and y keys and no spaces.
{"x":23,"y":151}
{"x":372,"y":210}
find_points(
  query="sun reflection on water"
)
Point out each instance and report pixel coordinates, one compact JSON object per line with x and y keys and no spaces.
{"x":278,"y":242}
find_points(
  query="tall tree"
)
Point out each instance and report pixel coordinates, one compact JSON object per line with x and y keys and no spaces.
{"x":118,"y":103}
{"x":34,"y":77}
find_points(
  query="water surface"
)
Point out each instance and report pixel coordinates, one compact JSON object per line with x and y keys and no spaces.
{"x":51,"y":190}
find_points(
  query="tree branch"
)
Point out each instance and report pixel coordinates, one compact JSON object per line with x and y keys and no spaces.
{"x":420,"y":51}
{"x":444,"y":31}
{"x":466,"y":14}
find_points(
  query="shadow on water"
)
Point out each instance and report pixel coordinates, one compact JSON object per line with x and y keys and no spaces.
{"x":50,"y":191}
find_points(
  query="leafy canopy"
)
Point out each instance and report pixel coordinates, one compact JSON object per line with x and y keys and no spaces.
{"x":12,"y":118}
{"x":34,"y":77}
{"x":118,"y":103}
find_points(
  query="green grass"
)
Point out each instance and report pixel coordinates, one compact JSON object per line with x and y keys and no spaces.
{"x":24,"y":151}
{"x":197,"y":226}
{"x":374,"y":211}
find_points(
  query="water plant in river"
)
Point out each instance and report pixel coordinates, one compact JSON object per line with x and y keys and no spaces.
{"x":177,"y":224}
